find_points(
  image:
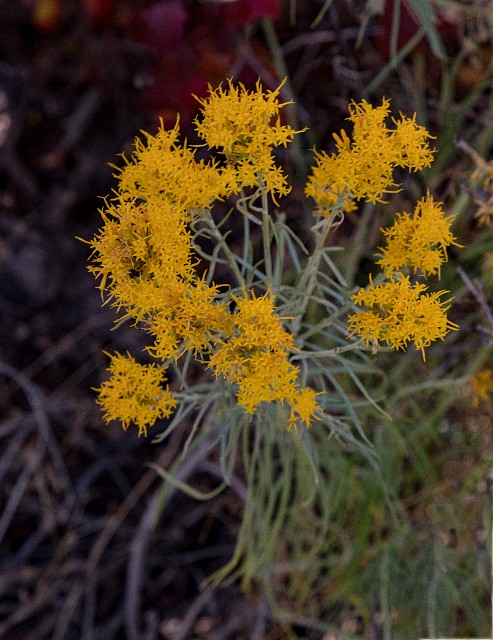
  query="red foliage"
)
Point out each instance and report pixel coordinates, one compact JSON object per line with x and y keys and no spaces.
{"x":162,"y":24}
{"x":99,"y":12}
{"x":243,"y":12}
{"x":192,"y":49}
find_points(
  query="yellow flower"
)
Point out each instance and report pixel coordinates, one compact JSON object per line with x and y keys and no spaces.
{"x":267,"y":376}
{"x":270,"y":377}
{"x":410,"y":142}
{"x":362,"y":168}
{"x":245,"y":125}
{"x":191,"y":316}
{"x":240,"y":122}
{"x":481,"y":386}
{"x":163,"y":167}
{"x":139,"y":249}
{"x":143,"y":255}
{"x":256,"y":327}
{"x":484,"y":211}
{"x":419,"y":241}
{"x":255,"y":357}
{"x":259,"y":325}
{"x":398,"y":313}
{"x":134,"y":394}
{"x":303,"y":404}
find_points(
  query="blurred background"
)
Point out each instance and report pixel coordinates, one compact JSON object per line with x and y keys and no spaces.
{"x":80,"y":554}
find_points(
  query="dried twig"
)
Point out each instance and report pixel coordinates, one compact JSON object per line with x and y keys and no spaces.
{"x":140,"y":542}
{"x":35,"y":401}
{"x":476,"y":290}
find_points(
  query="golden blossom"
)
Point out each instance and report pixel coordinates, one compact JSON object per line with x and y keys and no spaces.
{"x":419,"y":240}
{"x":362,"y":167}
{"x":481,"y":386}
{"x":245,"y":125}
{"x":398,"y":313}
{"x":134,"y":393}
{"x":255,"y":357}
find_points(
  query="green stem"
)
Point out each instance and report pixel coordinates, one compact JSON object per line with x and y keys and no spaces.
{"x":317,"y":328}
{"x":282,"y":71}
{"x":359,"y":345}
{"x":231,"y":257}
{"x":247,"y":251}
{"x":266,"y":239}
{"x":308,"y":278}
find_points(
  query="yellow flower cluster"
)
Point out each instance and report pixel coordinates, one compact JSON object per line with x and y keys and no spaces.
{"x":481,"y":386}
{"x":255,"y":357}
{"x":362,"y":168}
{"x":134,"y":393}
{"x":144,"y":258}
{"x":162,"y":167}
{"x":398,"y":313}
{"x":420,"y":240}
{"x":482,"y":182}
{"x":245,"y":126}
{"x":143,"y":251}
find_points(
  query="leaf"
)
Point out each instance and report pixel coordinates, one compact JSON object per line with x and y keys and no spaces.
{"x":186,"y":488}
{"x":427,"y":19}
{"x":162,"y":25}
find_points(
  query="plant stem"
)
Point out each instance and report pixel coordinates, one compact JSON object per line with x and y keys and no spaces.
{"x":266,"y":239}
{"x":308,"y":278}
{"x":359,"y":345}
{"x":282,"y":71}
{"x":231,"y":257}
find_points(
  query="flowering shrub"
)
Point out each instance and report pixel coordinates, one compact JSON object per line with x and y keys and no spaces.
{"x":286,"y":343}
{"x":145,"y":255}
{"x":419,"y":241}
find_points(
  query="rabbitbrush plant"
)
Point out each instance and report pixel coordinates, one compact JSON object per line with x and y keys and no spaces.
{"x":285,"y":346}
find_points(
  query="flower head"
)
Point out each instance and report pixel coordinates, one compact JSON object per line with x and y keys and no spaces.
{"x":241,"y":122}
{"x":481,"y":386}
{"x":134,"y":393}
{"x":255,"y":357}
{"x":163,"y":167}
{"x":245,"y":125}
{"x":256,"y":327}
{"x":411,"y":144}
{"x":398,"y":313}
{"x":190,"y":316}
{"x":362,"y":168}
{"x":420,"y":240}
{"x":139,"y":250}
